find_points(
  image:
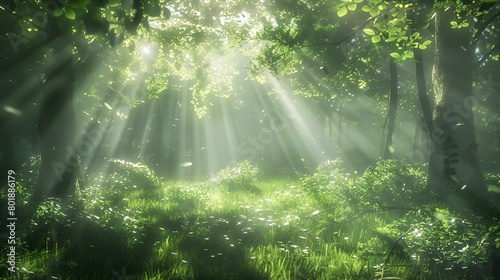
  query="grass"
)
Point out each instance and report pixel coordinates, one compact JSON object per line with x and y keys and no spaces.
{"x":200,"y":230}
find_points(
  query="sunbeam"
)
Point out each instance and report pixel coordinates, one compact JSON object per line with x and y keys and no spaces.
{"x":169,"y":139}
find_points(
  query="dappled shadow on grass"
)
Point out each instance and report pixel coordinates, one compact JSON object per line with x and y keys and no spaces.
{"x":199,"y":231}
{"x":214,"y":258}
{"x":213,"y":247}
{"x":93,"y":251}
{"x":85,"y":250}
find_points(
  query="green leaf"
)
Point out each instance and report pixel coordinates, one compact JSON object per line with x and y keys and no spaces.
{"x":391,"y":39}
{"x":369,"y":31}
{"x":407,"y":55}
{"x":342,"y":12}
{"x":69,"y":13}
{"x":166,"y":13}
{"x":352,"y":6}
{"x":376,"y":39}
{"x":395,"y":55}
{"x":422,"y":46}
{"x":428,"y":42}
{"x":454,"y":24}
{"x":78,"y":4}
{"x":58,"y":12}
{"x":374,"y":12}
{"x":366,"y":8}
{"x":114,"y":3}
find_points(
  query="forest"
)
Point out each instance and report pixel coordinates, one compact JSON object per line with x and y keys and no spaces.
{"x":269,"y":139}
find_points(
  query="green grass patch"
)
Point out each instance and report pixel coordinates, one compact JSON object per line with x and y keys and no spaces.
{"x":329,"y":225}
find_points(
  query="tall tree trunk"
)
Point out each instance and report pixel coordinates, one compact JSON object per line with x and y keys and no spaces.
{"x":393,"y":107}
{"x":497,"y":134}
{"x":454,"y":169}
{"x":423,"y":97}
{"x":419,"y":155}
{"x":414,"y":156}
{"x":57,"y":121}
{"x":339,"y":130}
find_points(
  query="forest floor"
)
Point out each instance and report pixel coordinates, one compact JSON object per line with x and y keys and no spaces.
{"x":272,"y":229}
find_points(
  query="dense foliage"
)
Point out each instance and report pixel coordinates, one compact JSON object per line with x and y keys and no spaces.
{"x":333,"y":225}
{"x":171,"y":139}
{"x":240,"y":177}
{"x":416,"y":225}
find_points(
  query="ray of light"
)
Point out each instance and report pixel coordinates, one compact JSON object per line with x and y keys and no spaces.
{"x":219,"y":138}
{"x":276,"y":115}
{"x":184,"y":124}
{"x":147,"y":128}
{"x":309,"y":131}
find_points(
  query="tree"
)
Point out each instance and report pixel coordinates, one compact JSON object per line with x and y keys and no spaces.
{"x":50,"y":29}
{"x":453,"y":159}
{"x":79,"y":40}
{"x":454,"y":165}
{"x":391,"y":114}
{"x":56,"y":118}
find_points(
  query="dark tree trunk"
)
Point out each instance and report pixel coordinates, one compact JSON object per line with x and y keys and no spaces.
{"x":393,"y":107}
{"x":454,"y":169}
{"x":414,"y":157}
{"x":419,"y":155}
{"x":339,"y":130}
{"x":20,"y":85}
{"x":497,"y":134}
{"x":423,"y":97}
{"x":57,"y":121}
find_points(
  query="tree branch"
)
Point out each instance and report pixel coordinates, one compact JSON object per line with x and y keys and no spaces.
{"x":340,"y":41}
{"x":388,"y":253}
{"x":486,"y":56}
{"x":481,"y":29}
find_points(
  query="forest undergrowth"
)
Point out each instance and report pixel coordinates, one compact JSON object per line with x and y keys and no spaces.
{"x":128,"y":224}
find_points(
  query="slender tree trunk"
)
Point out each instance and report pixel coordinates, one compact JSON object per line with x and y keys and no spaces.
{"x":454,"y":169}
{"x":57,"y":122}
{"x":424,"y":98}
{"x":497,"y":134}
{"x":393,"y":107}
{"x":339,"y":130}
{"x":418,"y":155}
{"x":422,"y":90}
{"x":330,"y":126}
{"x":415,"y":142}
